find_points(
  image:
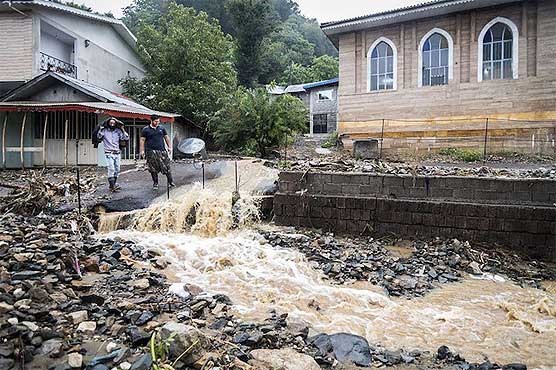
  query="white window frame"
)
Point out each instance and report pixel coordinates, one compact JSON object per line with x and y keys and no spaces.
{"x":450,"y":54}
{"x":395,"y":66}
{"x":515,"y":46}
{"x":325,"y":92}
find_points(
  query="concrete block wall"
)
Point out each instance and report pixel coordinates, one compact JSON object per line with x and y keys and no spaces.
{"x":524,"y":226}
{"x":453,"y":188}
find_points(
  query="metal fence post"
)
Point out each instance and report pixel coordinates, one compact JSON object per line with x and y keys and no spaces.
{"x":486,"y":140}
{"x":381,"y":140}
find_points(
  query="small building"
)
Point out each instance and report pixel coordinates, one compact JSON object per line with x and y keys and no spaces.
{"x":444,"y":72}
{"x":49,"y":121}
{"x":321,"y":100}
{"x":38,"y":36}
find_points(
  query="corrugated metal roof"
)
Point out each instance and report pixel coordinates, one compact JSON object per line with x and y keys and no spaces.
{"x":421,"y":10}
{"x":117,"y":24}
{"x":332,"y":81}
{"x":96,"y":107}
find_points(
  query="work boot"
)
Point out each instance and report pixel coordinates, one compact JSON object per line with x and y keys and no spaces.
{"x":116,"y":186}
{"x":111,"y":183}
{"x":155,"y":187}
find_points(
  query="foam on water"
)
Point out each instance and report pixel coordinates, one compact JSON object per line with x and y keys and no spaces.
{"x":479,"y":318}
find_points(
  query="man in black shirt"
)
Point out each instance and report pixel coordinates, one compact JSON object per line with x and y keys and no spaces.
{"x":155,"y":144}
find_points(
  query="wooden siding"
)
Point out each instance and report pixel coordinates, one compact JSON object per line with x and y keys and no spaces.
{"x":531,"y":96}
{"x":16,"y":47}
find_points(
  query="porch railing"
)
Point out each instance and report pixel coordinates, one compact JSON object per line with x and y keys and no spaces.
{"x":50,"y":63}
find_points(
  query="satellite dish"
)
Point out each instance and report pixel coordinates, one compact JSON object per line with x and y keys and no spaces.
{"x":192,"y":147}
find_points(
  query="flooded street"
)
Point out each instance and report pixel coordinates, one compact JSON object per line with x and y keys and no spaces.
{"x":477,"y":317}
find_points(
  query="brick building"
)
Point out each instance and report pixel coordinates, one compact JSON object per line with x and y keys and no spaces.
{"x":429,"y":75}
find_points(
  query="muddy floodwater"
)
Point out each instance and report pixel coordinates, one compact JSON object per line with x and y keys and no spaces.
{"x":487,"y":317}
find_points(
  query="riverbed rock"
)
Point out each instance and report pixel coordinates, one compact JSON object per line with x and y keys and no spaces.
{"x":344,"y":347}
{"x":283,"y":359}
{"x":75,"y":360}
{"x":185,"y":337}
{"x":79,"y":316}
{"x":143,"y":363}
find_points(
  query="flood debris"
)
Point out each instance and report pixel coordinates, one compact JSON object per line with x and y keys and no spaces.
{"x":410,"y":268}
{"x":545,"y":171}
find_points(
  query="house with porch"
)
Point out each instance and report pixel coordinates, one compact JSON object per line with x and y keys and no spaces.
{"x":59,"y":73}
{"x":450,"y":73}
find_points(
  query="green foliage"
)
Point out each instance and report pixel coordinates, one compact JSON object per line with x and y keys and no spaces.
{"x":147,"y":12}
{"x":255,"y":122}
{"x":322,"y":68}
{"x":253,"y":22}
{"x":189,"y":63}
{"x":272,"y":37}
{"x":331,"y":140}
{"x":466,"y":155}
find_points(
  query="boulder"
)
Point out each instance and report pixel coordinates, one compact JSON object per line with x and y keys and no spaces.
{"x":75,"y":360}
{"x":346,"y":348}
{"x":283,"y":359}
{"x":185,"y":337}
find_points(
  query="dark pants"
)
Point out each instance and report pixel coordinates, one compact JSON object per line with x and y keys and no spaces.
{"x":159,"y":161}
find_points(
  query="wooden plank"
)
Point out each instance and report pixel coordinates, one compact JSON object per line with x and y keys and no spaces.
{"x":66,"y":144}
{"x":22,"y":141}
{"x":44,"y":141}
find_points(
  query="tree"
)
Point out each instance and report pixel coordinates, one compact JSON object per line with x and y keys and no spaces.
{"x":189,"y":63}
{"x":255,"y":122}
{"x":253,"y":21}
{"x":144,"y":11}
{"x":323,"y":68}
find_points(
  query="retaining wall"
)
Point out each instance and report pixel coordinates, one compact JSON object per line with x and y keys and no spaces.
{"x":519,"y":214}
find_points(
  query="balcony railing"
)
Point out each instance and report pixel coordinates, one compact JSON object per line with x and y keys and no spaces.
{"x":50,"y":63}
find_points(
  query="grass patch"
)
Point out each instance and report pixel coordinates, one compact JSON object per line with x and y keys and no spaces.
{"x":465,"y":155}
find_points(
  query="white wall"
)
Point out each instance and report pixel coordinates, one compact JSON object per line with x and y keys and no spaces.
{"x":107,"y":59}
{"x":52,"y":46}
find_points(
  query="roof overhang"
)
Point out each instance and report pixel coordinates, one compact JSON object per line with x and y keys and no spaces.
{"x":424,"y":10}
{"x":110,"y":109}
{"x":117,"y":24}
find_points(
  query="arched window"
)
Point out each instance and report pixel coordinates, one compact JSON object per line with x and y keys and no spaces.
{"x":382,"y":66}
{"x":436,"y":65}
{"x":498,"y":50}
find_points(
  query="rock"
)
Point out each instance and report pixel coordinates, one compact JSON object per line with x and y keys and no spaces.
{"x":26,"y":275}
{"x":144,"y":318}
{"x":87,"y":327}
{"x":13,"y":321}
{"x":514,"y":367}
{"x":75,"y":360}
{"x":79,"y":316}
{"x":5,"y":308}
{"x":143,"y":363}
{"x":39,"y":295}
{"x":344,"y":347}
{"x":6,"y":363}
{"x":30,"y":325}
{"x":139,"y":283}
{"x":138,"y":337}
{"x":6,"y":349}
{"x":443,"y":353}
{"x":475,"y":268}
{"x":110,"y":347}
{"x":92,"y":298}
{"x":51,"y":347}
{"x":283,"y":359}
{"x":125,"y":365}
{"x":185,"y":337}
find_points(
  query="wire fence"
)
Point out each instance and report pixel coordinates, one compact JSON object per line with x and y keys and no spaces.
{"x":484,"y":137}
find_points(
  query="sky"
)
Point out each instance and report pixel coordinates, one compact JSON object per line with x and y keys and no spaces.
{"x":322,"y":10}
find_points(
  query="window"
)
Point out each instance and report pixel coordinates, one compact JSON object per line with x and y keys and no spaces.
{"x":325,"y":95}
{"x":320,"y":123}
{"x":435,"y":60}
{"x":498,"y":43}
{"x":382,"y":66}
{"x":497,"y":53}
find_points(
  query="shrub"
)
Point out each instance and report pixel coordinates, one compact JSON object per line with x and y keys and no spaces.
{"x":466,"y":155}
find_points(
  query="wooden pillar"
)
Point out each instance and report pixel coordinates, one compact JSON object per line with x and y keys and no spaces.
{"x":21,"y":147}
{"x":4,"y":141}
{"x":44,"y":141}
{"x":66,"y":144}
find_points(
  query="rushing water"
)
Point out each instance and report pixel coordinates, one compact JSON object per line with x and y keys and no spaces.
{"x":479,"y":318}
